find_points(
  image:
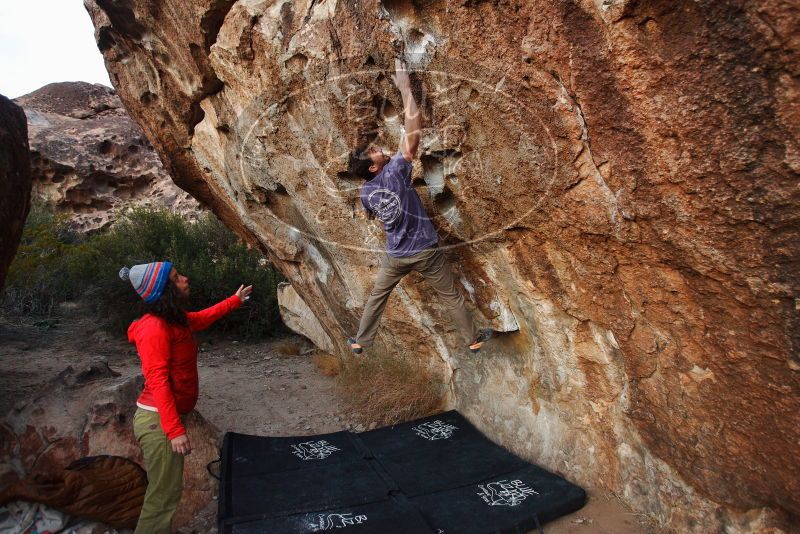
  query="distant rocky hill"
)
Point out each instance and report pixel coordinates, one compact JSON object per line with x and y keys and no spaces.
{"x":89,"y":159}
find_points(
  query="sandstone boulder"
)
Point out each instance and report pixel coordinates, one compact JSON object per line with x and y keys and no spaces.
{"x":296,"y":315}
{"x":15,"y":181}
{"x":89,"y":412}
{"x":90,"y":160}
{"x":616,"y":182}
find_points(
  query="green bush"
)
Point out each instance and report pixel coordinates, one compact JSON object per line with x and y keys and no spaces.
{"x":55,"y":265}
{"x":36,"y":280}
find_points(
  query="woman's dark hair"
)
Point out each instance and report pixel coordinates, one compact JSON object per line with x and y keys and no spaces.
{"x":169,"y":306}
{"x":359,"y":164}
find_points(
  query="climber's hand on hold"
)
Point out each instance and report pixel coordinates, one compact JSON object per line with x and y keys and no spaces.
{"x":401,"y":78}
{"x":413,"y":117}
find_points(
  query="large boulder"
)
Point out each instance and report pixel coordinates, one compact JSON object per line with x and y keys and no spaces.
{"x":617,"y":181}
{"x":296,"y":315}
{"x":15,"y":181}
{"x":89,"y":160}
{"x":89,"y":412}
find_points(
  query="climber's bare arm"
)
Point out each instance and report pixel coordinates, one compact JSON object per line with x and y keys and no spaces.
{"x":413,"y":124}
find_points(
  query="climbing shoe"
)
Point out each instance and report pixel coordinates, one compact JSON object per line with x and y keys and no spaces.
{"x":484,"y":335}
{"x":356,"y":350}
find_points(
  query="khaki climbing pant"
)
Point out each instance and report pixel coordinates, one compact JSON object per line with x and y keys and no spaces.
{"x":432,"y":265}
{"x":164,"y":474}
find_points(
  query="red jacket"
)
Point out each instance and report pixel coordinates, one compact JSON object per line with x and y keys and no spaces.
{"x":169,"y":362}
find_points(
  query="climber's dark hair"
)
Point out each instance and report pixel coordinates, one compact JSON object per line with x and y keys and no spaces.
{"x":169,"y":306}
{"x":359,"y":164}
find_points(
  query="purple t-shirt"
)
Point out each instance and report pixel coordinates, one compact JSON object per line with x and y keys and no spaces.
{"x":392,"y":199}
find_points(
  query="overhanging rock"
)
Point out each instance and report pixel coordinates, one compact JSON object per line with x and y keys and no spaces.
{"x":15,"y":181}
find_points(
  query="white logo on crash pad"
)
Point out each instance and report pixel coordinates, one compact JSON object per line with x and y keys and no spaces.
{"x":505,"y":492}
{"x":434,"y":430}
{"x":313,"y":450}
{"x":386,"y":206}
{"x":332,"y":521}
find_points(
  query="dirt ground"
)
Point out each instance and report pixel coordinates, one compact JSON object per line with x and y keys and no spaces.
{"x":266,"y":388}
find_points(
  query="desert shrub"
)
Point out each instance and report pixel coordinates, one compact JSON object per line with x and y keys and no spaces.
{"x":55,"y":265}
{"x":389,"y":390}
{"x":37,"y":280}
{"x":328,"y":364}
{"x":288,"y":347}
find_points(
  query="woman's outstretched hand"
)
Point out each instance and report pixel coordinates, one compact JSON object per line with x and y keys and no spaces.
{"x":244,"y":292}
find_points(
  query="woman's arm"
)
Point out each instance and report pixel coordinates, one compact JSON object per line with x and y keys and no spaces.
{"x":200,"y":320}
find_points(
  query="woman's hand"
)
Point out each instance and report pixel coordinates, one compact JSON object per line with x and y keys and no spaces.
{"x":244,"y":292}
{"x":181,"y":445}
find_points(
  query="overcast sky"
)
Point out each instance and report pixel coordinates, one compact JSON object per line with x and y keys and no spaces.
{"x":45,"y":41}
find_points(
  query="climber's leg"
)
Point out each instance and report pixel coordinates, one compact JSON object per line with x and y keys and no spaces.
{"x":392,"y":270}
{"x":434,"y":267}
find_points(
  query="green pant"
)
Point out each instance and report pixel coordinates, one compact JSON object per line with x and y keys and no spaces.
{"x":164,"y":474}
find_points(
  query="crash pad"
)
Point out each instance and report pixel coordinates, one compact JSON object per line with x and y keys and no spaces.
{"x":438,"y":474}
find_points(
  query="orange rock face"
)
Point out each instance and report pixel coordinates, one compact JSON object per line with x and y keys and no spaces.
{"x":616,"y":181}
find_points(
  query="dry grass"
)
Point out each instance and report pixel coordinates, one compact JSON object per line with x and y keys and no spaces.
{"x":328,"y":364}
{"x":288,"y":348}
{"x":389,"y":390}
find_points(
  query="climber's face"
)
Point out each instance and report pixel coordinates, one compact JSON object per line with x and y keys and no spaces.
{"x":378,"y":158}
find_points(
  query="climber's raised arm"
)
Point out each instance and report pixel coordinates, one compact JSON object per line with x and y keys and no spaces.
{"x":412,"y":242}
{"x":413,"y":118}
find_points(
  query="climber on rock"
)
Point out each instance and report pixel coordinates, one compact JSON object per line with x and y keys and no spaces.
{"x":411,"y":239}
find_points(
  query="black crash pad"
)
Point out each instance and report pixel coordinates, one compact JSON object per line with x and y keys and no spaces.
{"x":439,"y":472}
{"x":305,"y":490}
{"x":255,"y":455}
{"x":387,"y":517}
{"x":511,"y":503}
{"x":263,"y":477}
{"x":445,"y":450}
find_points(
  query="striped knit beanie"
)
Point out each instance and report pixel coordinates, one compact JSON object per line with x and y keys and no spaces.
{"x":148,"y":279}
